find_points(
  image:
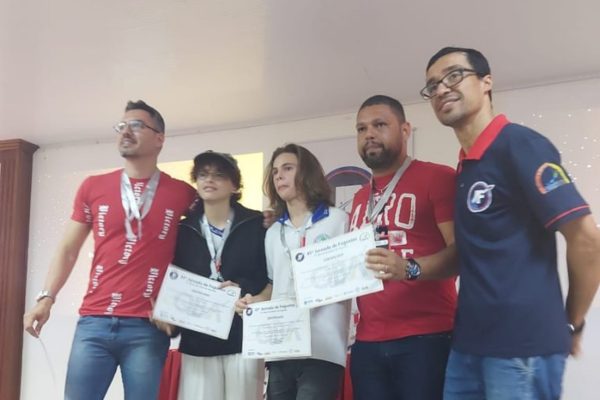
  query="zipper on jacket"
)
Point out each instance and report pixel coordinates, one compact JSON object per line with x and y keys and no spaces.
{"x":233,"y":229}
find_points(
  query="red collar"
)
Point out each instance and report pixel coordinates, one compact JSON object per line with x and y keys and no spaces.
{"x":485,"y":139}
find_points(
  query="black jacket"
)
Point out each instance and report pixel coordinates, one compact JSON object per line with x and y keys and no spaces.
{"x":242,"y":261}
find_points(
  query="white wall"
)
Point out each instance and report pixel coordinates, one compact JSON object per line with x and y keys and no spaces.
{"x":569,"y":114}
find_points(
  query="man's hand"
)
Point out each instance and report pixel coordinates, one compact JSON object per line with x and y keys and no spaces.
{"x":163,"y":326}
{"x":34,"y":320}
{"x":387,"y":264}
{"x":60,"y":268}
{"x":576,"y":344}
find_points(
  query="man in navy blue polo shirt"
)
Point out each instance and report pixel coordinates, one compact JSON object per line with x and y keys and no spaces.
{"x":512,"y":333}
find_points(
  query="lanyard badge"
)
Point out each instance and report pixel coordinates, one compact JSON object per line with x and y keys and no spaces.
{"x":373,"y":210}
{"x":216,"y":250}
{"x":302,"y":241}
{"x":137,"y":208}
{"x":382,"y":237}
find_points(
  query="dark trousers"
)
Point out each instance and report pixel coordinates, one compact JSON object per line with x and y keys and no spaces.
{"x":411,"y":368}
{"x":305,"y":379}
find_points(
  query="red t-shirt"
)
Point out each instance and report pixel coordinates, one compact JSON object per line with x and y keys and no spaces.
{"x":423,"y":198}
{"x":125,"y":275}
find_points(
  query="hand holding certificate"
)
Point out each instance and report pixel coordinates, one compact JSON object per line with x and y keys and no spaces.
{"x":195,"y":302}
{"x":276,"y":329}
{"x":334,"y":270}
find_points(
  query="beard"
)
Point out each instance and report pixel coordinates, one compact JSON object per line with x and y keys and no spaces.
{"x":379,"y":160}
{"x":126,"y":153}
{"x":128,"y":150}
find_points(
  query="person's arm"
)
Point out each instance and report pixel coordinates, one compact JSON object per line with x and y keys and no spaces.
{"x":443,"y":264}
{"x":60,"y":268}
{"x":269,"y":218}
{"x":242,"y":303}
{"x":440,"y":265}
{"x":583,"y":263}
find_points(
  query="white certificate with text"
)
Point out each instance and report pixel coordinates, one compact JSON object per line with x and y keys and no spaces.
{"x":334,"y":270}
{"x":276,"y":329}
{"x":194,"y":302}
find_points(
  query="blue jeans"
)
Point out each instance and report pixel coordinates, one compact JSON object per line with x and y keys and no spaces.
{"x":411,"y":368}
{"x":103,"y":343}
{"x":488,"y":378}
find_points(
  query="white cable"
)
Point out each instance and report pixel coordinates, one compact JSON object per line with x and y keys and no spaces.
{"x":51,"y":368}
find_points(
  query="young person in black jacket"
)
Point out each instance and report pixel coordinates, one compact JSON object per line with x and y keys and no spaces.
{"x":222,"y":240}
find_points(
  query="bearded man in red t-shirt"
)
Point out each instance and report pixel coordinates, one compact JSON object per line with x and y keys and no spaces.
{"x":403,"y":334}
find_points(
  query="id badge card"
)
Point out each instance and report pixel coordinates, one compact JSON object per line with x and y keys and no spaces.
{"x":382,"y":238}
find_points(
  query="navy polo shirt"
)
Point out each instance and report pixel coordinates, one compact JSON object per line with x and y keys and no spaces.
{"x":512,"y":196}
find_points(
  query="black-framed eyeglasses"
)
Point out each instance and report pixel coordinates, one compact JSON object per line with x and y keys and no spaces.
{"x":449,"y":80}
{"x":135,"y":125}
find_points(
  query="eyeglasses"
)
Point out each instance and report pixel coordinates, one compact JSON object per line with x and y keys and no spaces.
{"x":449,"y":80}
{"x":135,"y":125}
{"x":216,"y":176}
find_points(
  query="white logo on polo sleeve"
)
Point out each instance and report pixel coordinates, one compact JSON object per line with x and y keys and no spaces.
{"x":480,"y":197}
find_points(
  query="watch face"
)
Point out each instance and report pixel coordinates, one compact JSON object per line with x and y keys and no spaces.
{"x":413,"y":270}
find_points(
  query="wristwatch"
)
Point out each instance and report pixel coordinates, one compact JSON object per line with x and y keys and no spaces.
{"x":413,"y":269}
{"x":574,"y":330}
{"x":43,"y":294}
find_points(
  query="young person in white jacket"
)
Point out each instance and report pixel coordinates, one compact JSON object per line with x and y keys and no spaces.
{"x":300,"y":195}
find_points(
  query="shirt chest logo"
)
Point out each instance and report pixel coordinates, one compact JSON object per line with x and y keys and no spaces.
{"x":321,"y":237}
{"x":480,"y":197}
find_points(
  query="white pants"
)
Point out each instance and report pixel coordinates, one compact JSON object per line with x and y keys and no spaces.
{"x":229,"y":377}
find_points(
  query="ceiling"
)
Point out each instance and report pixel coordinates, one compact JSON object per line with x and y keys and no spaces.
{"x":67,"y":67}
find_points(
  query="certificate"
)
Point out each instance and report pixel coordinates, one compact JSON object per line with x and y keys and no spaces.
{"x":276,"y":329}
{"x":333,"y":270}
{"x":194,"y":302}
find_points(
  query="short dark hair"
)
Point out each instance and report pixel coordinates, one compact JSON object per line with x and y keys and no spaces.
{"x":477,"y":60}
{"x":394,"y":105}
{"x":158,"y":120}
{"x":223,"y":163}
{"x":310,"y":179}
{"x":474,"y":57}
